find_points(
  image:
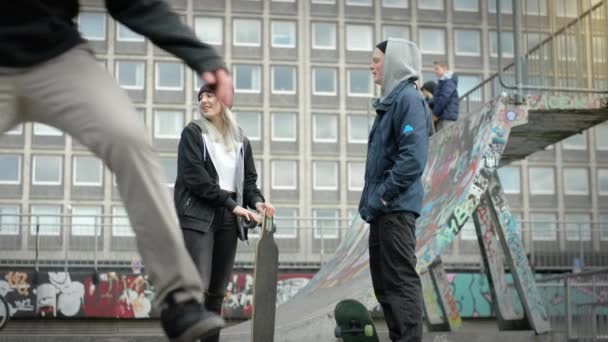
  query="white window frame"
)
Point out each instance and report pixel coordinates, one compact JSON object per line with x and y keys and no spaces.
{"x":502,"y":8}
{"x":314,"y":83}
{"x":350,"y":176}
{"x":433,"y":52}
{"x":602,"y":58}
{"x":159,"y":135}
{"x":16,"y":130}
{"x":603,"y":226}
{"x":542,"y":10}
{"x":348,"y":128}
{"x":105,"y":26}
{"x":466,"y":53}
{"x":468,"y":232}
{"x":39,"y":130}
{"x":542,"y":192}
{"x":422,"y":7}
{"x":259,"y":126}
{"x":42,"y":231}
{"x":575,"y":193}
{"x":599,"y":188}
{"x":580,"y":228}
{"x":198,"y":21}
{"x":315,"y":176}
{"x":504,"y":53}
{"x":466,"y":9}
{"x":314,"y":129}
{"x":19,"y":165}
{"x":274,"y":171}
{"x":405,"y":28}
{"x":552,"y":236}
{"x":34,"y":162}
{"x":294,"y":82}
{"x":317,"y":229}
{"x":258,"y":90}
{"x":599,"y":147}
{"x":272,"y":32}
{"x":333,"y":34}
{"x":566,"y":146}
{"x":370,"y":47}
{"x":351,"y":3}
{"x":565,"y":42}
{"x":138,"y":39}
{"x":157,"y":86}
{"x":131,"y":87}
{"x":16,"y":231}
{"x":280,"y":234}
{"x":246,"y":44}
{"x":127,"y":232}
{"x":273,"y":127}
{"x":348,"y":91}
{"x":518,"y":191}
{"x":405,"y":4}
{"x":325,"y":2}
{"x":75,"y":172}
{"x":168,"y":183}
{"x":97,"y":219}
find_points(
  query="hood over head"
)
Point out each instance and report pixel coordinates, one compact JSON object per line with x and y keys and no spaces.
{"x":402,"y":61}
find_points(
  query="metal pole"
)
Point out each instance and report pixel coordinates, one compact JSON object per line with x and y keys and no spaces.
{"x":96,"y":228}
{"x":66,"y":240}
{"x":517,"y":50}
{"x":580,"y":246}
{"x":37,"y":241}
{"x":568,"y":310}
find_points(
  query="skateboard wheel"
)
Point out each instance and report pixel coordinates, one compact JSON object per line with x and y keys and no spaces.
{"x":369,"y":330}
{"x":338,"y":332}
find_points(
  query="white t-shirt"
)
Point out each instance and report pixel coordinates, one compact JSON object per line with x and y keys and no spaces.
{"x":225,"y":164}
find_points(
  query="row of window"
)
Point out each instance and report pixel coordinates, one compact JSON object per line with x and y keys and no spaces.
{"x":88,"y":220}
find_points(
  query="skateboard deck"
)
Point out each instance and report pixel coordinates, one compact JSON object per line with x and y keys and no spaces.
{"x":353,"y":322}
{"x":265,"y":284}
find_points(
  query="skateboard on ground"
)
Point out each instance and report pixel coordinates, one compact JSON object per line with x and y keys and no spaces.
{"x":265,"y":283}
{"x":354,"y":323}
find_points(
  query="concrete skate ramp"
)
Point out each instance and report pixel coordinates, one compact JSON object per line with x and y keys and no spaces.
{"x":452,"y":180}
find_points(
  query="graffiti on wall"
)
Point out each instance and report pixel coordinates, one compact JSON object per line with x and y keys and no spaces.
{"x":445,"y":295}
{"x":563,"y":102}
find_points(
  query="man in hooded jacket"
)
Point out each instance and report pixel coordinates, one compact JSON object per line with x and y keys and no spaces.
{"x":392,"y":197}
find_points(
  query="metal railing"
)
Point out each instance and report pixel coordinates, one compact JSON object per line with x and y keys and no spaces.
{"x":577,"y":304}
{"x":559,"y":54}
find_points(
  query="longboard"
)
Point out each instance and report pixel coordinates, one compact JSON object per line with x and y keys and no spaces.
{"x":265,"y":284}
{"x":353,"y":322}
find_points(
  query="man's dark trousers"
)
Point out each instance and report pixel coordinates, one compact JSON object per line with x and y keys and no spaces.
{"x":392,"y":245}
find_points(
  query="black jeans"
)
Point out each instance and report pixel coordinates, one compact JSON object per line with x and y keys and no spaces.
{"x":213,"y":253}
{"x":392,"y":261}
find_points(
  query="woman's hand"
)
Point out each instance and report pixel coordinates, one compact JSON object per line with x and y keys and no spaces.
{"x":267,"y":206}
{"x":245,"y":214}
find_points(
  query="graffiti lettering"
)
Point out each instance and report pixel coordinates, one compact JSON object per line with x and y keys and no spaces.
{"x":18,"y":281}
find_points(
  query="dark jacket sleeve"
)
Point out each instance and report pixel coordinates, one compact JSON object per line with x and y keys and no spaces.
{"x":155,"y":20}
{"x":411,"y":130}
{"x":442,"y":98}
{"x":192,"y":171}
{"x":251,"y":194}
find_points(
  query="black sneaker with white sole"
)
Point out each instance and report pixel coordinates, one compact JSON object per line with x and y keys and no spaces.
{"x":189,"y":321}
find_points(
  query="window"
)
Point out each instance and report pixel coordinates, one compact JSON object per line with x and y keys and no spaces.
{"x":468,"y":43}
{"x":510,"y":179}
{"x":10,"y":169}
{"x":286,"y":219}
{"x":247,"y":32}
{"x":325,"y":175}
{"x":259,"y":169}
{"x":325,"y":128}
{"x":536,"y":7}
{"x":467,"y":83}
{"x":356,"y":176}
{"x":324,"y":81}
{"x":86,"y":221}
{"x":169,"y":166}
{"x":542,"y":180}
{"x":395,"y":3}
{"x":324,"y":36}
{"x":130,"y":75}
{"x":283,"y":34}
{"x":567,"y":47}
{"x":251,"y":123}
{"x":506,"y":41}
{"x":125,"y":34}
{"x":468,"y":232}
{"x":365,"y":3}
{"x":601,"y":136}
{"x":17,"y":130}
{"x":92,"y":25}
{"x":430,"y":4}
{"x":566,"y":8}
{"x":9,"y":219}
{"x":120,"y":223}
{"x":598,"y":45}
{"x":284,"y":127}
{"x":432,"y":41}
{"x":578,"y":227}
{"x":602,"y":180}
{"x":284,"y":80}
{"x":603,"y":227}
{"x":284,"y":175}
{"x":359,"y":38}
{"x":209,"y":30}
{"x":466,"y":5}
{"x":45,"y":130}
{"x":359,"y":83}
{"x":169,"y":76}
{"x":45,"y":220}
{"x":543,"y":227}
{"x":47,"y":170}
{"x":326,"y":224}
{"x":506,"y":6}
{"x":88,"y":171}
{"x":393,"y":31}
{"x":576,"y":181}
{"x":358,"y":129}
{"x":168,"y":124}
{"x":327,"y":2}
{"x":247,"y":78}
{"x":576,"y":142}
{"x":532,"y":40}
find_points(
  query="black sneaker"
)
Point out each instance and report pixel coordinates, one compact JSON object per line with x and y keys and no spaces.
{"x":189,"y":321}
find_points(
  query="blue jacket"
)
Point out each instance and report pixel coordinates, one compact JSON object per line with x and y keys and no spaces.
{"x":445,"y":99}
{"x":397,"y":153}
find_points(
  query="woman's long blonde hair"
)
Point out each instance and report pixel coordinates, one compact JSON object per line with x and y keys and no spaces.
{"x":231,"y":136}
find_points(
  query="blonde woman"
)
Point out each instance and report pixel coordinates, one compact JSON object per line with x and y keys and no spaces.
{"x":216,"y":180}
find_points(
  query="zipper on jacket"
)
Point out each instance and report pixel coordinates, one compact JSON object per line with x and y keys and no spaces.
{"x":187,"y":203}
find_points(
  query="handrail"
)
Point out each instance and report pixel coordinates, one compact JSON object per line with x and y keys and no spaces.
{"x":573,"y":275}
